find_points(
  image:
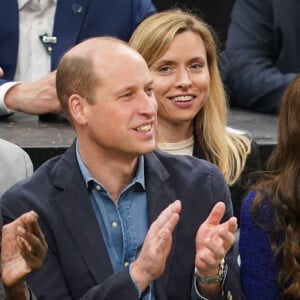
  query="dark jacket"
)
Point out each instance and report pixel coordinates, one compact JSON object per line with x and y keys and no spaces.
{"x":73,"y":23}
{"x":239,"y":189}
{"x":262,"y":52}
{"x":78,"y":265}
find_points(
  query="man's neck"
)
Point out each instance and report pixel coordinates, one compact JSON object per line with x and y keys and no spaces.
{"x":114,"y":172}
{"x":116,"y":177}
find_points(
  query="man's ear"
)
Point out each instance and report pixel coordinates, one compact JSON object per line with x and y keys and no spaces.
{"x":77,"y":108}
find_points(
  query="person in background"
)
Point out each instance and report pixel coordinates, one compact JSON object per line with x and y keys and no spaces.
{"x":36,"y":33}
{"x":261,"y":53}
{"x":108,"y":205}
{"x":15,"y":165}
{"x":269,"y":233}
{"x":14,"y":161}
{"x":192,"y":114}
{"x":23,"y":245}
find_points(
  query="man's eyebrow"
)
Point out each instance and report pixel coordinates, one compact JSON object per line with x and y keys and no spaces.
{"x":132,"y":87}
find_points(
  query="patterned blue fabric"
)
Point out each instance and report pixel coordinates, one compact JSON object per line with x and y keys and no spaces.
{"x":259,"y":269}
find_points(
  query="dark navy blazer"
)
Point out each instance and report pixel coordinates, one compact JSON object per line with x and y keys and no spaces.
{"x":74,"y":22}
{"x":78,"y":265}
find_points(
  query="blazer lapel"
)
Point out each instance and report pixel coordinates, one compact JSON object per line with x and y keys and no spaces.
{"x":79,"y":216}
{"x":80,"y":219}
{"x":158,"y":192}
{"x":68,"y":19}
{"x":159,"y":195}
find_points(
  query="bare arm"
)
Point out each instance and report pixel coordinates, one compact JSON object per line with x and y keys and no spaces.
{"x":36,"y":97}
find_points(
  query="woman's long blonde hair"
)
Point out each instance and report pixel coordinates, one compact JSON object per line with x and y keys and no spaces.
{"x":151,"y":39}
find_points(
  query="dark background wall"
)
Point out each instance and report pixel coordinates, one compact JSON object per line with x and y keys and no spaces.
{"x":215,"y":12}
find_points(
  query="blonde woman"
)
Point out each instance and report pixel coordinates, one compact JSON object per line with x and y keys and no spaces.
{"x":180,"y":51}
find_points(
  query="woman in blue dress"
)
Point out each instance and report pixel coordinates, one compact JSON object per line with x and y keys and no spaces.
{"x":270,"y":214}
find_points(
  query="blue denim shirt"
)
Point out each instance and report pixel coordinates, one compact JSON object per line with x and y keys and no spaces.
{"x":124,"y":224}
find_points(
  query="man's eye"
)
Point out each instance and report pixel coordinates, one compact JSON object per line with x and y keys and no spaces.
{"x":126,"y":95}
{"x":149,"y":90}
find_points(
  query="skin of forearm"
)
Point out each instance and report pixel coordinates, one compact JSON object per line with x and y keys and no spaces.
{"x":18,"y":291}
{"x":139,"y":277}
{"x":210,"y":291}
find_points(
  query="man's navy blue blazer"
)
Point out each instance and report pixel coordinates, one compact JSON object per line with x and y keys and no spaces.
{"x":77,"y":265}
{"x":74,"y":22}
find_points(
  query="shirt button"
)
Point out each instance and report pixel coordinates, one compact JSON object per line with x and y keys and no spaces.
{"x":98,"y":187}
{"x":126,"y":264}
{"x":114,"y":224}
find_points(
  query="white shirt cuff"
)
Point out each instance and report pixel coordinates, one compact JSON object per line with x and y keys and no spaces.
{"x":3,"y":90}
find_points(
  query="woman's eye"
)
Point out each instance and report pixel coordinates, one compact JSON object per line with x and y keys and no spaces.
{"x":164,"y":69}
{"x":196,"y":66}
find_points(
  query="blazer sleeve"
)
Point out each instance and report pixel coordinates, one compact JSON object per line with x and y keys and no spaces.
{"x":231,"y":285}
{"x":250,"y":74}
{"x":50,"y":280}
{"x":117,"y":286}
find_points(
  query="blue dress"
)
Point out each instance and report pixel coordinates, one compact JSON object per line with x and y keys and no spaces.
{"x":259,"y":269}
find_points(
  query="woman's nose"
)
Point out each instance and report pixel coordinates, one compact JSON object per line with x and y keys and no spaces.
{"x":183,"y":79}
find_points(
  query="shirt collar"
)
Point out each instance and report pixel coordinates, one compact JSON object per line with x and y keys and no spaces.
{"x":87,"y":177}
{"x":22,"y":3}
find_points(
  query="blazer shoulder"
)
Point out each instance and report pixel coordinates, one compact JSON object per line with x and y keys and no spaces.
{"x":188,"y":164}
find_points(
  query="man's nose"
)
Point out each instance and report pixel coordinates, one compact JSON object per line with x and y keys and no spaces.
{"x":148,"y":103}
